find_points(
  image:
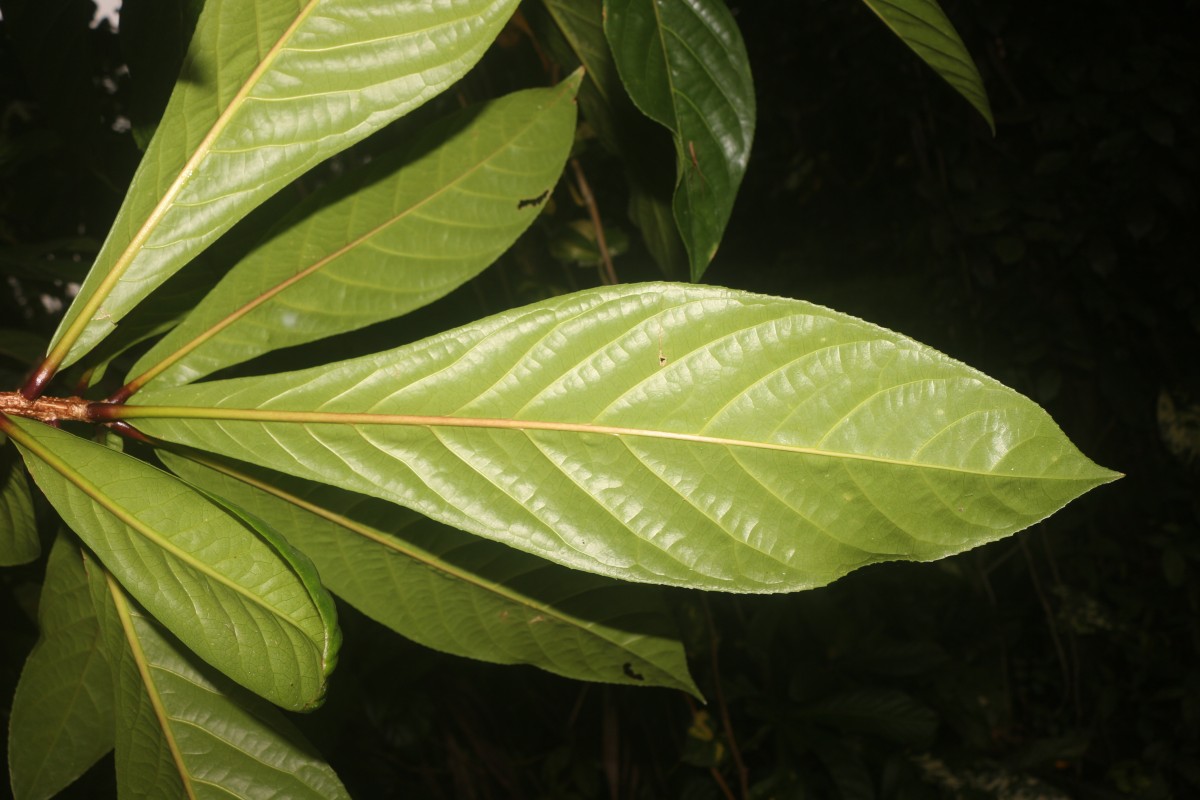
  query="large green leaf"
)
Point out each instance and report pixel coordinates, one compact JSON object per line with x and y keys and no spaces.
{"x":19,"y":542}
{"x":684,"y":64}
{"x":661,"y":433}
{"x":251,"y":607}
{"x":62,"y":714}
{"x":923,"y":26}
{"x":184,"y":731}
{"x":458,"y":593}
{"x":268,"y":89}
{"x":418,"y":229}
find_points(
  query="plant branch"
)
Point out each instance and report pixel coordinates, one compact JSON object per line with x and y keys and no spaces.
{"x":46,"y":409}
{"x":608,"y":274}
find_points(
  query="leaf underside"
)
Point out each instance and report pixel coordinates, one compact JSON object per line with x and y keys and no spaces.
{"x":660,"y":433}
{"x":457,"y":593}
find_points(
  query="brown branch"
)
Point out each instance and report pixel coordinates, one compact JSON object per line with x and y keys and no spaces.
{"x":46,"y":409}
{"x":723,"y":708}
{"x":608,"y":275}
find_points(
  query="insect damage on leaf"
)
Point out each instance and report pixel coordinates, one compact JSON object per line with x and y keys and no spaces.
{"x":533,"y":201}
{"x":627,"y":668}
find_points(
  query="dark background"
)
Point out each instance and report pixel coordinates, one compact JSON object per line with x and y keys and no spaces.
{"x":1059,"y":256}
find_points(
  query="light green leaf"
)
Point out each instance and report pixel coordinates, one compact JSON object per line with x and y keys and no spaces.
{"x":250,"y":608}
{"x":661,"y":433}
{"x":268,"y":89}
{"x":923,"y":26}
{"x":458,"y":593}
{"x":184,"y":731}
{"x":684,"y":64}
{"x":19,"y":542}
{"x":417,"y":230}
{"x":62,"y":714}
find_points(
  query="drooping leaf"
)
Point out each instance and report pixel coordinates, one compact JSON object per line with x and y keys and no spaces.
{"x":268,"y":89}
{"x":62,"y":714}
{"x":19,"y":542}
{"x":661,"y":433}
{"x":182,"y":730}
{"x":458,"y":593}
{"x":684,"y":64}
{"x":251,"y":608}
{"x":924,"y":27}
{"x":418,"y":229}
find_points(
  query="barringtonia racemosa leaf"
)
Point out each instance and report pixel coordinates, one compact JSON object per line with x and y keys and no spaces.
{"x":455,"y":592}
{"x":684,"y":65}
{"x":669,"y":434}
{"x":62,"y":714}
{"x":419,"y":228}
{"x":19,"y":542}
{"x":924,"y":27}
{"x":183,"y":730}
{"x":268,"y":89}
{"x":253,"y":608}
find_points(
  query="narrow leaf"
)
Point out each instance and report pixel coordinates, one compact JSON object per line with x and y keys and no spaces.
{"x":419,"y":229}
{"x":661,"y":433}
{"x":924,"y":27}
{"x":185,"y":731}
{"x":684,"y":64}
{"x":250,"y":608}
{"x":62,"y":714}
{"x":458,"y":593}
{"x":268,"y":89}
{"x":19,"y":542}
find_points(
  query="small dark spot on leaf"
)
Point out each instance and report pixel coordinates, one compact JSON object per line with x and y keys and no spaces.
{"x":533,"y":201}
{"x":628,"y":668}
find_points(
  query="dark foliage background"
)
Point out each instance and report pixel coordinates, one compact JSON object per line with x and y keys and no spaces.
{"x":1059,"y":256}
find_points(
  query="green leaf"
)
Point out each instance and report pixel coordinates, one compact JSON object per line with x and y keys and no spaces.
{"x":62,"y":713}
{"x":684,"y":64}
{"x":268,"y":89}
{"x":458,"y":593}
{"x":886,"y":713}
{"x":661,"y":433}
{"x":184,"y":731}
{"x":923,"y":26}
{"x":247,"y":606}
{"x":417,"y":230}
{"x":19,"y":543}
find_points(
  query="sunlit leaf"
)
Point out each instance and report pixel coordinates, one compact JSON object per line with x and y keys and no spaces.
{"x":923,"y":26}
{"x":19,"y":542}
{"x":184,"y":731}
{"x":62,"y":714}
{"x":251,"y":608}
{"x":417,"y":229}
{"x":458,"y":593}
{"x":661,"y":433}
{"x":684,"y":64}
{"x":268,"y":89}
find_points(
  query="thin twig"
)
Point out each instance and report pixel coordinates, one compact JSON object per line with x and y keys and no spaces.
{"x":723,"y":708}
{"x":1063,"y":662}
{"x":608,"y":274}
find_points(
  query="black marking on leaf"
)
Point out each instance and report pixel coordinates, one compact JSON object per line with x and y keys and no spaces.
{"x":628,"y":669}
{"x":533,"y":201}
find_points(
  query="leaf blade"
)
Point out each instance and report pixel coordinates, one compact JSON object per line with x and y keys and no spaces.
{"x":235,"y":599}
{"x":685,"y":66}
{"x":418,"y":230}
{"x":457,"y":593}
{"x":662,"y":433}
{"x":19,"y":543}
{"x":62,"y":713}
{"x":928,"y":32}
{"x":268,"y":90}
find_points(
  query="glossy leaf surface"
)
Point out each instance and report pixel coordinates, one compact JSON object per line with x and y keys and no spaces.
{"x":268,"y":89}
{"x":684,"y":64}
{"x":458,"y":593}
{"x":416,"y":230}
{"x":924,"y":27}
{"x":252,"y":609}
{"x":183,"y":731}
{"x":19,"y":542}
{"x":62,"y":714}
{"x":662,"y":433}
